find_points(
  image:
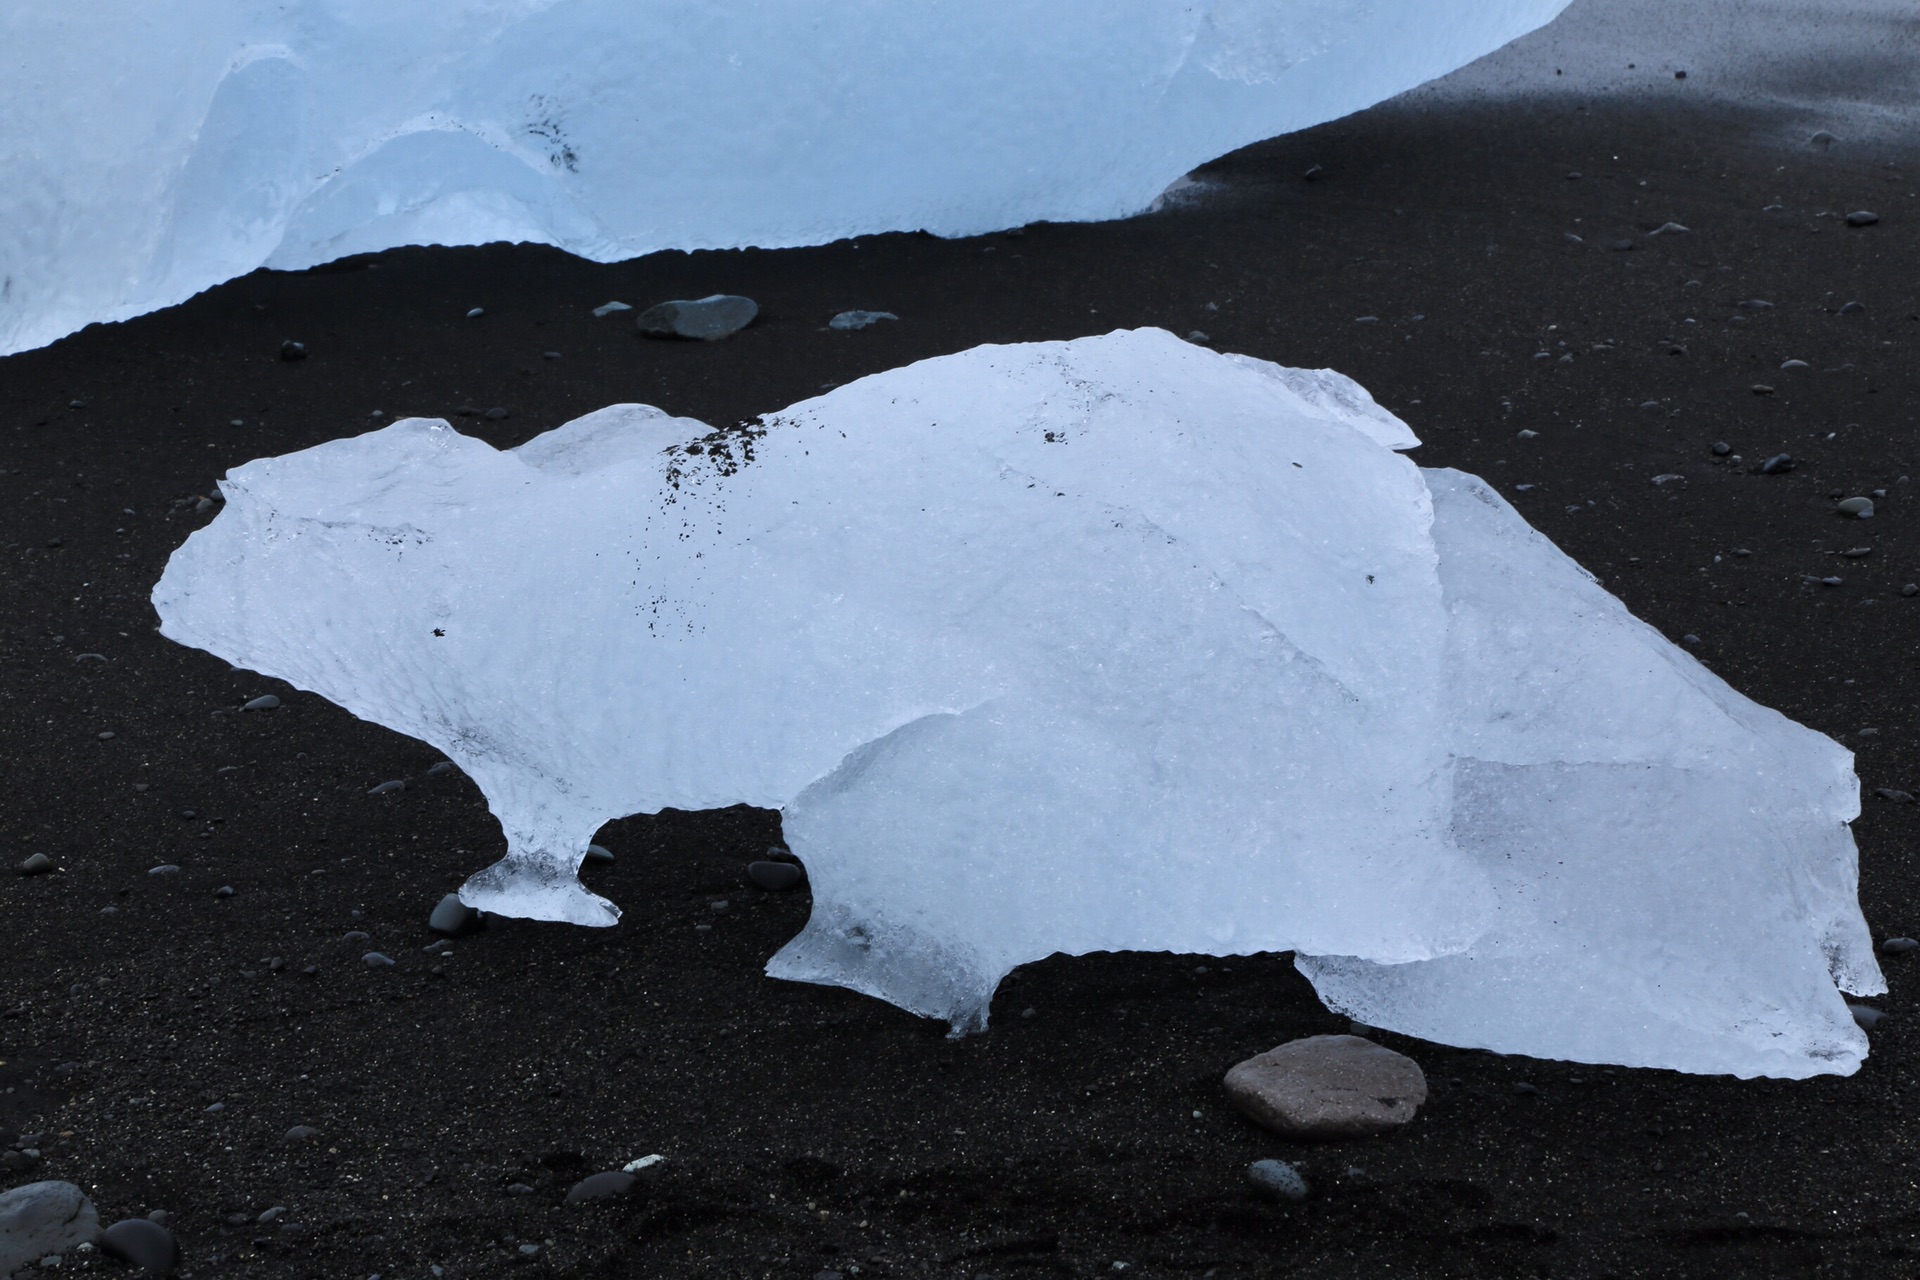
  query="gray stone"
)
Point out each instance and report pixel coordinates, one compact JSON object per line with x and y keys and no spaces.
{"x":609,"y":308}
{"x":38,"y":864}
{"x":143,"y":1242}
{"x":302,"y":1133}
{"x":1898,"y":946}
{"x":1894,"y":794}
{"x":1862,"y":218}
{"x":454,"y":918}
{"x":440,"y":770}
{"x":164,"y":869}
{"x":859,"y":319}
{"x":709,"y":318}
{"x":265,"y":702}
{"x":777,"y":877}
{"x":1328,"y":1087}
{"x":1866,"y":1015}
{"x":602,"y":1186}
{"x":1858,"y":508}
{"x":1778,"y":464}
{"x":42,"y":1218}
{"x":375,"y":960}
{"x":1277,"y":1180}
{"x":599,"y":853}
{"x":388,"y":788}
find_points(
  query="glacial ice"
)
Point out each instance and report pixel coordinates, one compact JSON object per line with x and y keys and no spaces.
{"x":1110,"y":644}
{"x":148,"y":152}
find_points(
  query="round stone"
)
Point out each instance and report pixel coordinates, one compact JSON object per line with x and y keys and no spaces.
{"x":454,"y":918}
{"x":1328,"y":1087}
{"x":776,"y":877}
{"x":1277,"y":1180}
{"x":1858,"y":508}
{"x":602,"y":1186}
{"x":37,"y":864}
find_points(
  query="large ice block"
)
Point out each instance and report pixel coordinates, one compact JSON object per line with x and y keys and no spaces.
{"x":150,"y":151}
{"x":1108,"y":644}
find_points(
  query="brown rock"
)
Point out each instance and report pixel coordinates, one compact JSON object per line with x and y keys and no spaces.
{"x":1328,"y":1087}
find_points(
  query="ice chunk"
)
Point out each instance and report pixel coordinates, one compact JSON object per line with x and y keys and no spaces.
{"x":149,"y":155}
{"x":1107,"y":644}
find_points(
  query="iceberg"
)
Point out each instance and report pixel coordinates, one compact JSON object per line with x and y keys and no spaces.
{"x":148,"y":153}
{"x":1109,"y":644}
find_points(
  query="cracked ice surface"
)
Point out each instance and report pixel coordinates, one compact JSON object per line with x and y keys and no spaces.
{"x":1109,"y":644}
{"x":150,"y":151}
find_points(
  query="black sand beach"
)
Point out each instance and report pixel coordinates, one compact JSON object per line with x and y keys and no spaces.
{"x":811,"y":1130}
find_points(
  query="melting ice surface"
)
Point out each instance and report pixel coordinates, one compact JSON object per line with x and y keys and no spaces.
{"x":148,"y":152}
{"x":1109,"y":644}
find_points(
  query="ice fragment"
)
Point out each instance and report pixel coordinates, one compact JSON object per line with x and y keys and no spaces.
{"x":980,"y":622}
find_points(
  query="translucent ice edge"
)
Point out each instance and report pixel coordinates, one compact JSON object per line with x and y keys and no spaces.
{"x":1111,"y":644}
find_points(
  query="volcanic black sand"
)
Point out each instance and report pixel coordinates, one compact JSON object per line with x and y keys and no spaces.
{"x":809,"y":1129}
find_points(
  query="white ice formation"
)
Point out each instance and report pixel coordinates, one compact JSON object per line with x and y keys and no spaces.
{"x":150,"y":151}
{"x":1111,"y":644}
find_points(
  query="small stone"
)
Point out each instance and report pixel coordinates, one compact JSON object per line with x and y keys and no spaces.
{"x":1833,"y":582}
{"x":144,"y":1242}
{"x":1762,"y":389}
{"x":599,"y":853}
{"x":1853,"y":308}
{"x":609,"y":308}
{"x":1858,"y":508}
{"x":106,"y":735}
{"x":1754,"y":304}
{"x":1894,"y":795}
{"x":529,"y":1250}
{"x":1821,"y":138}
{"x":1862,"y":218}
{"x":265,"y":702}
{"x":1670,"y":228}
{"x":476,"y":313}
{"x":602,"y":1186}
{"x":375,"y":960}
{"x":1668,"y":477}
{"x":1778,"y":464}
{"x":1199,"y":336}
{"x":1865,"y":1015}
{"x":776,"y":877}
{"x":859,"y":319}
{"x":1526,"y":1090}
{"x":1691,"y":640}
{"x":1721,"y":449}
{"x":164,"y":869}
{"x":274,"y":1214}
{"x":41,"y":1218}
{"x":355,"y":935}
{"x":216,"y":1108}
{"x":1911,"y":589}
{"x":388,"y":788}
{"x":1795,"y":364}
{"x":1366,"y":319}
{"x":1278,"y":1180}
{"x":1527,"y":433}
{"x":1898,"y":946}
{"x":224,"y":891}
{"x":302,"y":1133}
{"x":519,"y":1189}
{"x":496,"y":414}
{"x":455,"y":918}
{"x":1856,"y":553}
{"x":710,"y":318}
{"x":1621,"y":246}
{"x":440,"y":770}
{"x":1328,"y":1087}
{"x":36,"y":865}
